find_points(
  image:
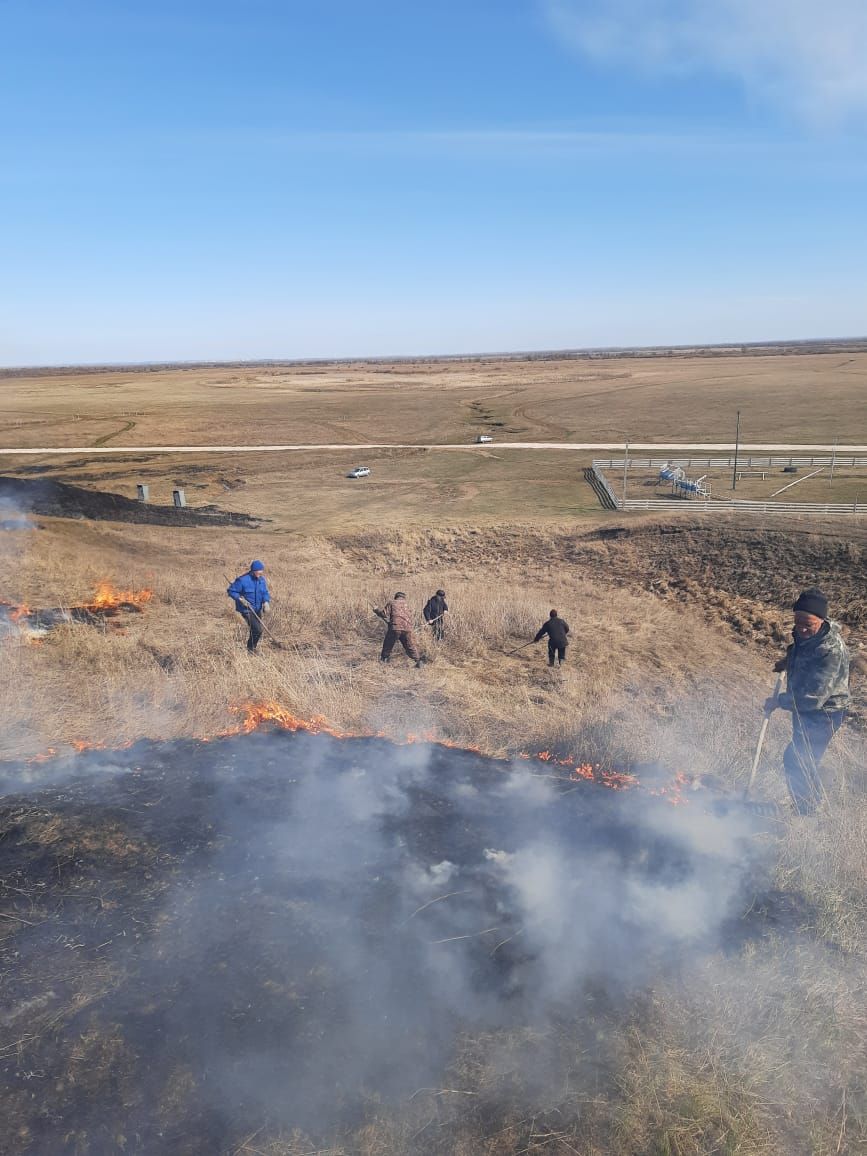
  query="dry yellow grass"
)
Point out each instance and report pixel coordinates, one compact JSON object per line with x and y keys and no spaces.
{"x":637,"y":685}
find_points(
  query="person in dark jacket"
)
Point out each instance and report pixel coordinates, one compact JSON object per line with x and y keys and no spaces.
{"x":816,"y":666}
{"x":252,"y":601}
{"x":556,"y":629}
{"x":434,"y":612}
{"x":398,"y":617}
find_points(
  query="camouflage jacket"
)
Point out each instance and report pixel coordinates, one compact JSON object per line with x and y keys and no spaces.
{"x":817,"y":673}
{"x":398,"y":615}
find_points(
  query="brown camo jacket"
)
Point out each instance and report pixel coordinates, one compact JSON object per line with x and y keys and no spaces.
{"x":399,"y":616}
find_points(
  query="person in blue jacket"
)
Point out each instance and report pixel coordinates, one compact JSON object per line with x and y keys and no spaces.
{"x":252,"y":601}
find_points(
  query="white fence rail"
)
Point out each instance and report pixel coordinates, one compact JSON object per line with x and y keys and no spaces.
{"x":725,"y":504}
{"x":745,"y":462}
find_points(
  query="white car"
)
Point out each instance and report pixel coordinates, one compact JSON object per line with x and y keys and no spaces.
{"x":483,"y":438}
{"x":359,"y":472}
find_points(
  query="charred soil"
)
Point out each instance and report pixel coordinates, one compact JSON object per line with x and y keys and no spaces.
{"x":61,"y":500}
{"x":300,"y":935}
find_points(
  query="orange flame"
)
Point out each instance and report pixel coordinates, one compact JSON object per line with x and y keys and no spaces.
{"x":16,"y":613}
{"x":108,"y":597}
{"x":256,"y":714}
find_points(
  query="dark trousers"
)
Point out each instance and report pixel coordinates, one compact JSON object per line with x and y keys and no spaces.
{"x":255,"y":629}
{"x":437,"y":630}
{"x":811,"y":734}
{"x":406,"y":640}
{"x":556,"y":650}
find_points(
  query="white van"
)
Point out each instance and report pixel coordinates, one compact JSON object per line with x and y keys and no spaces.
{"x":359,"y":472}
{"x":482,"y":438}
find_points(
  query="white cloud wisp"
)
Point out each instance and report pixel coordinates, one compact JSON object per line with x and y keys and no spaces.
{"x":805,"y":55}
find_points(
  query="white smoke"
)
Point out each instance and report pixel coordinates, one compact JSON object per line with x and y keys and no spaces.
{"x":804,"y":55}
{"x":14,"y":517}
{"x":339,"y":913}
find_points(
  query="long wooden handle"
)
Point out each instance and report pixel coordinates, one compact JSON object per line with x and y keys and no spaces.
{"x":777,"y":687}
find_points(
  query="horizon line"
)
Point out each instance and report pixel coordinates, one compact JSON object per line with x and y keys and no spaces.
{"x":566,"y":352}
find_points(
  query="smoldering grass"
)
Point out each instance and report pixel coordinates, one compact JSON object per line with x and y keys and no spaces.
{"x":760,"y":1053}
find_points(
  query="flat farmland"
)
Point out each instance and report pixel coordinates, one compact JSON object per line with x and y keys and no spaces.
{"x":311,"y":493}
{"x":804,"y":397}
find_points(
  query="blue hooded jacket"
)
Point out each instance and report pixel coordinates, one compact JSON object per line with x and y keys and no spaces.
{"x":255,"y":590}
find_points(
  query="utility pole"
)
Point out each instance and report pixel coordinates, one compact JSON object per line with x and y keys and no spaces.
{"x":737,"y":447}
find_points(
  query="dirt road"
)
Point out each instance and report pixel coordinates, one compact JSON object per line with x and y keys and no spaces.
{"x":660,"y":447}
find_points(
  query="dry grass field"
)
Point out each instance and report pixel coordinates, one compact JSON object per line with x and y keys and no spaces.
{"x":675,"y":625}
{"x":576,"y":399}
{"x":808,"y":396}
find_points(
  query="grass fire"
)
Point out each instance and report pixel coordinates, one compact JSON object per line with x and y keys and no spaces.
{"x":102,"y":609}
{"x":306,"y":929}
{"x":379,"y":854}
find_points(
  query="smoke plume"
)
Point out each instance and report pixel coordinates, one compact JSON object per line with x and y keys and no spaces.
{"x":300,"y":923}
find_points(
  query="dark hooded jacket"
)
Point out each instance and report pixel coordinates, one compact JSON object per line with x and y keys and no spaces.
{"x":435,"y":607}
{"x":817,"y":673}
{"x":556,"y":629}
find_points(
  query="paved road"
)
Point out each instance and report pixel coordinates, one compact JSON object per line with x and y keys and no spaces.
{"x":655,"y":447}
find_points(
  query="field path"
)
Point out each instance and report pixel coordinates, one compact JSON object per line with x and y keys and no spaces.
{"x":125,"y":428}
{"x":654,"y":447}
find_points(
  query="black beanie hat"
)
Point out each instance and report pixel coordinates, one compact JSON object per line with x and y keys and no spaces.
{"x":441,"y":593}
{"x":812,"y":601}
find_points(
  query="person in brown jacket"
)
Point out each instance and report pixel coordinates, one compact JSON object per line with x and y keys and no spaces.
{"x":399,"y":620}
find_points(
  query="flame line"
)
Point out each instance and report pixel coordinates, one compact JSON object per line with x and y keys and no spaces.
{"x":254,"y":715}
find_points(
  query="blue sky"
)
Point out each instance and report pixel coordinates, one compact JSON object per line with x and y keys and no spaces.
{"x":277,"y":178}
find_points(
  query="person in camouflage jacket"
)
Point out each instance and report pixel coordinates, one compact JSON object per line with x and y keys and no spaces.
{"x":398,"y":617}
{"x":816,"y":666}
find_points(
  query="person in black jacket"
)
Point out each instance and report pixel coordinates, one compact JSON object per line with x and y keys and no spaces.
{"x":556,"y":629}
{"x":434,"y":611}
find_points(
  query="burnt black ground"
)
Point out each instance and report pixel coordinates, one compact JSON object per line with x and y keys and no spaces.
{"x":217,"y":937}
{"x":55,"y":499}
